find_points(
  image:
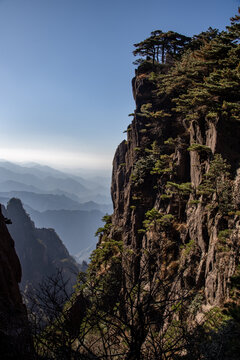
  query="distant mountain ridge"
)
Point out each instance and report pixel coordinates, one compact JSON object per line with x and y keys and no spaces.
{"x":42,"y":179}
{"x":44,"y":202}
{"x":68,"y":203}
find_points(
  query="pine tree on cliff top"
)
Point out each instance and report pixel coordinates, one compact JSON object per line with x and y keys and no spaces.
{"x":203,"y":38}
{"x":160,"y":45}
{"x":206,"y":80}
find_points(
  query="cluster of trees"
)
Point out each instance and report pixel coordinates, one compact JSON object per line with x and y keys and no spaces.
{"x":102,"y":322}
{"x":111,"y":316}
{"x":160,"y":45}
{"x":204,"y":82}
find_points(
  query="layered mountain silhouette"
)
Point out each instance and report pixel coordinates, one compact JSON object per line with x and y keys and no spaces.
{"x":45,"y":179}
{"x":70,"y":204}
{"x":43,"y":202}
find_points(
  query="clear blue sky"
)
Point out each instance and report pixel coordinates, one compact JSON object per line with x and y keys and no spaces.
{"x":66,"y":69}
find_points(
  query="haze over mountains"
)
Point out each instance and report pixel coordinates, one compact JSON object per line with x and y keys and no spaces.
{"x":70,"y":204}
{"x":43,"y":179}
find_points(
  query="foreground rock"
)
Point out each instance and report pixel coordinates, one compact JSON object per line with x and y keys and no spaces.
{"x":15,"y":341}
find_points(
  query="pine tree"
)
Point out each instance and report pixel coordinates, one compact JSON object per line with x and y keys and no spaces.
{"x":159,"y":46}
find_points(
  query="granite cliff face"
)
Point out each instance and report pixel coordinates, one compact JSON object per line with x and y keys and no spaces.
{"x":175,"y":191}
{"x":157,"y":168}
{"x":14,"y":336}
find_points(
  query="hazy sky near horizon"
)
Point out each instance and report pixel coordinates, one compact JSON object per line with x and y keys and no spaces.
{"x":66,"y":69}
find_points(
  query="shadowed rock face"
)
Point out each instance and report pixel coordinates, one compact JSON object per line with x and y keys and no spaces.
{"x":14,"y":338}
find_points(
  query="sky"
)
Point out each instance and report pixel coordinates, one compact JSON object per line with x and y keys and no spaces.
{"x":66,"y":70}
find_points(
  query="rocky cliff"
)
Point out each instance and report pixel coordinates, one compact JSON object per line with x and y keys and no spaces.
{"x":14,"y":336}
{"x":164,"y":280}
{"x":175,"y":182}
{"x":168,"y":178}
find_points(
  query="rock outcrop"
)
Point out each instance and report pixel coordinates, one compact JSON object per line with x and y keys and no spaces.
{"x":15,"y":341}
{"x":137,"y":188}
{"x":175,"y":192}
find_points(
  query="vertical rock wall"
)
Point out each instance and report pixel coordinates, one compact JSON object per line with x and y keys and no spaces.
{"x":208,"y":265}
